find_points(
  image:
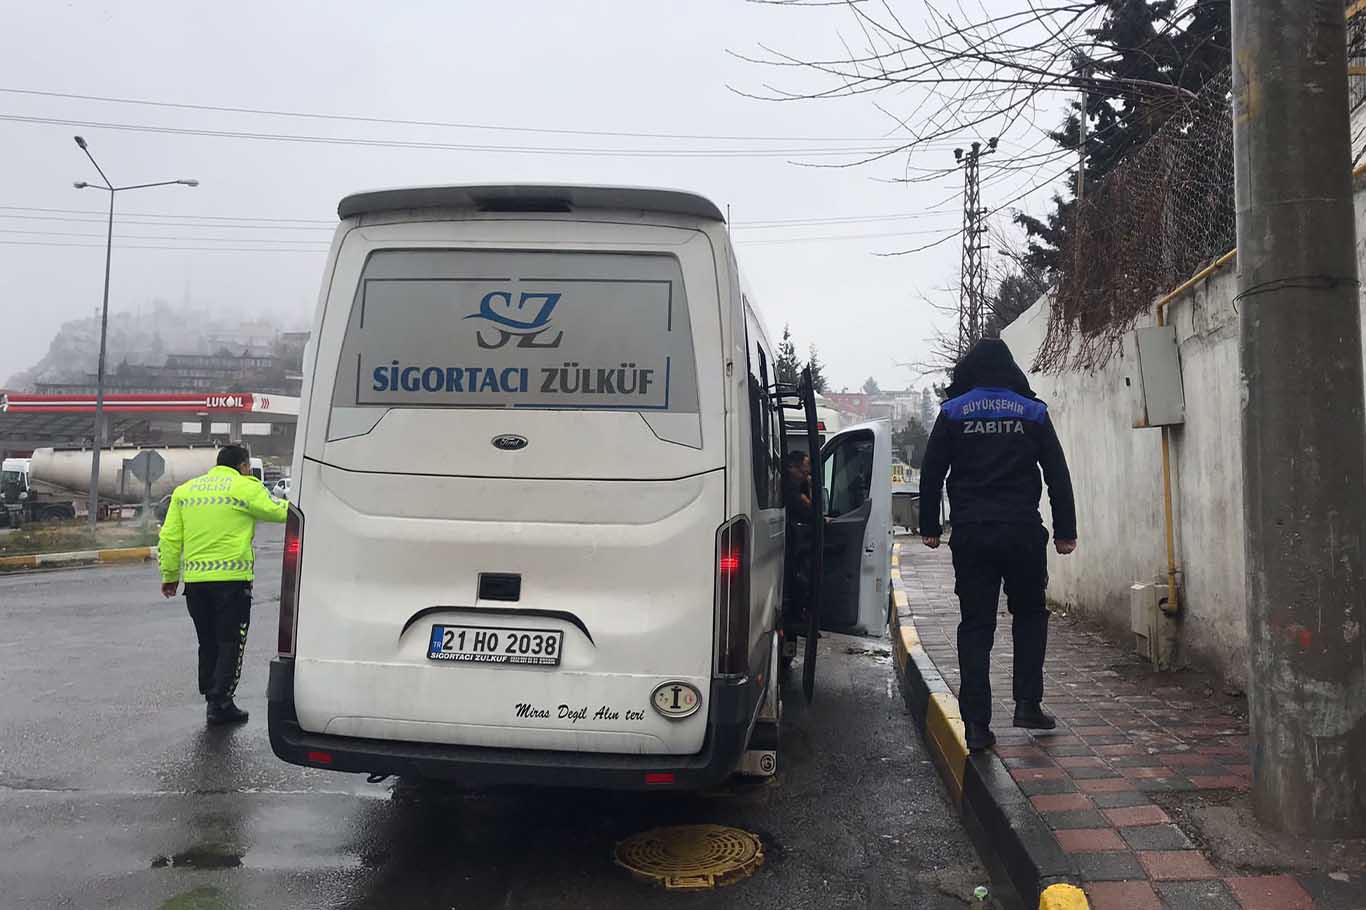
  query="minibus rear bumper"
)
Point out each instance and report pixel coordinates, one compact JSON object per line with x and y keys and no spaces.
{"x":733,"y":708}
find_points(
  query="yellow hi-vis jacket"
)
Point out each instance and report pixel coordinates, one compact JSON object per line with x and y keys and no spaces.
{"x":211,"y":521}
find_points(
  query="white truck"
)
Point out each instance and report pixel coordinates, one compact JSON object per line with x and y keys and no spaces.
{"x":54,"y":484}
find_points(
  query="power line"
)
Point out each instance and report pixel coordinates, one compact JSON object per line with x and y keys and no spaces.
{"x":437,"y":146}
{"x":194,"y":249}
{"x":30,"y":208}
{"x":832,"y":237}
{"x":50,"y":214}
{"x":852,"y":219}
{"x":394,"y":121}
{"x":67,"y":219}
{"x":321,"y":246}
{"x":28,"y":233}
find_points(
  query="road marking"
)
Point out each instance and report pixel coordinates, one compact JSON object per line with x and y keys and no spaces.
{"x":944,"y":725}
{"x":1063,"y":897}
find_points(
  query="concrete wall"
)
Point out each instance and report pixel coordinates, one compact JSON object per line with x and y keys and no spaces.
{"x":1117,"y":473}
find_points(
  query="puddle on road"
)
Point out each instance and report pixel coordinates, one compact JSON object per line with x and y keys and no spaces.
{"x":205,"y":856}
{"x":204,"y":898}
{"x":40,"y":784}
{"x":881,"y":655}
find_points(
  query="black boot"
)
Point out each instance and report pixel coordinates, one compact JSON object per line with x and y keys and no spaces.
{"x":979,"y":737}
{"x":225,"y":713}
{"x":1031,"y":716}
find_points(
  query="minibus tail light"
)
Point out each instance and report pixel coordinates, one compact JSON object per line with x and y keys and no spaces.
{"x":732,"y":598}
{"x":289,"y":580}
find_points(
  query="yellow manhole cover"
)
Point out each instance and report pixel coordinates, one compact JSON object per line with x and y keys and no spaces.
{"x":692,"y":857}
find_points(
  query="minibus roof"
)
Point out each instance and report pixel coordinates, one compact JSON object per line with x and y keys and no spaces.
{"x":511,"y":197}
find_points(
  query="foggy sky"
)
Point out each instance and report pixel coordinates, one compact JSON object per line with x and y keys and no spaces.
{"x":646,"y":66}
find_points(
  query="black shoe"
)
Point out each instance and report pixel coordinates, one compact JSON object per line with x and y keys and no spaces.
{"x":1031,"y":716}
{"x":979,"y":737}
{"x":226,"y":713}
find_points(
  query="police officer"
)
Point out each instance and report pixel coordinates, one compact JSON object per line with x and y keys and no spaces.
{"x":990,"y":440}
{"x":210,"y":523}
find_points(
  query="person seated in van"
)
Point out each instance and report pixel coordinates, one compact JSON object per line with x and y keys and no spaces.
{"x":800,"y":515}
{"x":797,"y":487}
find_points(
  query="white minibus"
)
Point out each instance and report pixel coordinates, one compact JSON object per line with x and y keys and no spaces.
{"x":827,"y":423}
{"x":536,"y":529}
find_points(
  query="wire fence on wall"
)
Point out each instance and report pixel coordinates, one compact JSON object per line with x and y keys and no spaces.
{"x":1159,"y":218}
{"x":1155,"y":220}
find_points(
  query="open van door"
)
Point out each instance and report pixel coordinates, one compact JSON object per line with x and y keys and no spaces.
{"x":856,"y":471}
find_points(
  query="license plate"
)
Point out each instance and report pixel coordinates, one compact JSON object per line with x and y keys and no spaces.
{"x":494,"y":645}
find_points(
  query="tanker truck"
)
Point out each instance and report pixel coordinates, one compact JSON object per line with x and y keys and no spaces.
{"x":54,"y":483}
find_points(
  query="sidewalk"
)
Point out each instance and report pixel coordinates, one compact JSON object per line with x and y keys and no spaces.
{"x":1144,"y":783}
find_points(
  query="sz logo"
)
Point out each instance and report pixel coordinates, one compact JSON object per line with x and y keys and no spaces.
{"x":527,"y":320}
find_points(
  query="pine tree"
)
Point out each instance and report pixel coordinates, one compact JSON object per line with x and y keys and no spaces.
{"x":927,"y":407}
{"x":910,"y":441}
{"x":1156,"y":41}
{"x":1018,"y":290}
{"x":870,"y":387}
{"x":786,"y":366}
{"x":813,"y":363}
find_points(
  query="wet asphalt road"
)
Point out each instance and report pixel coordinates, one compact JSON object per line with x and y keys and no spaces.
{"x":114,"y":794}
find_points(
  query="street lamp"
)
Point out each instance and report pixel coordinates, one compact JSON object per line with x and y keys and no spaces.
{"x":112,"y":190}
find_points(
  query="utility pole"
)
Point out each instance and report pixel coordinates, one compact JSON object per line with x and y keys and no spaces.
{"x":973,"y":288}
{"x":1304,"y":444}
{"x":101,"y":425}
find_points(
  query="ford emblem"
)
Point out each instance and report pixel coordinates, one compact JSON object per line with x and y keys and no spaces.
{"x":509,"y":442}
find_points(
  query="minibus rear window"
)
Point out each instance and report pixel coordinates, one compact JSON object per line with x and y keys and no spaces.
{"x":519,"y":329}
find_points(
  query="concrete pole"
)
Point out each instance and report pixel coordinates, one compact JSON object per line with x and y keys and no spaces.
{"x":1304,"y":443}
{"x":101,"y":428}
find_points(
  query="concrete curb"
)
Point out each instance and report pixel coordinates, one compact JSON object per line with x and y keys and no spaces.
{"x":29,"y":562}
{"x":1003,"y":822}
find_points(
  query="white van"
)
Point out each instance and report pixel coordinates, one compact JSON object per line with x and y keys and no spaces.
{"x":827,"y":423}
{"x":536,"y":531}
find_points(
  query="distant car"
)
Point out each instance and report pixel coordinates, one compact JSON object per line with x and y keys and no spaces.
{"x":281,"y":489}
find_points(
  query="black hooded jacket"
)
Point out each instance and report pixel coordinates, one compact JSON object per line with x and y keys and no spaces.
{"x":990,"y":440}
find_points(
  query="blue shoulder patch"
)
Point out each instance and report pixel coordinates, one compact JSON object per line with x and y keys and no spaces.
{"x":994,"y":404}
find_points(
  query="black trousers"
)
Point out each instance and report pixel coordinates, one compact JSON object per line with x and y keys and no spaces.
{"x":985,"y":555}
{"x":796,"y":571}
{"x":221,"y":611}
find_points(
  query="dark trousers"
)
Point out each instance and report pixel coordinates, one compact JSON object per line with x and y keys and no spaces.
{"x":221,"y":611}
{"x":797,"y":571}
{"x":984,"y":555}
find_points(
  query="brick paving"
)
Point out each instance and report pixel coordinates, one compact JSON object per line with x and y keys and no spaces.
{"x":1119,"y":741}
